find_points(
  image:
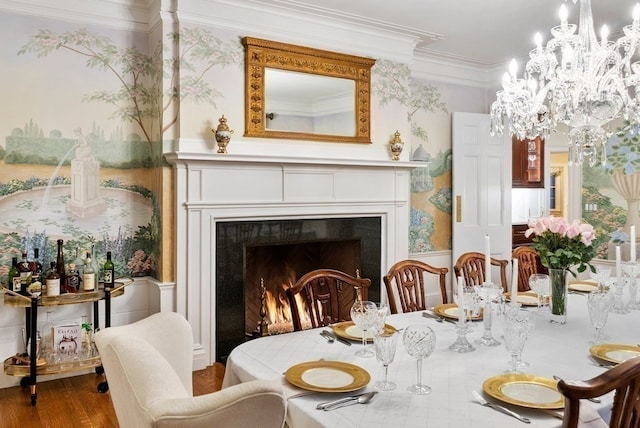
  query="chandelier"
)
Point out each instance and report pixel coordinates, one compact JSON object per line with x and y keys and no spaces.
{"x":575,"y":80}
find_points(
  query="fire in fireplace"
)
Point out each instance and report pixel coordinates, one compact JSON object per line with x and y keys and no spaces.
{"x":278,"y":252}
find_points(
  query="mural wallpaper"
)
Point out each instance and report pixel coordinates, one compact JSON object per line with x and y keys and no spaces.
{"x":611,"y":193}
{"x":76,"y":159}
{"x":431,"y":185}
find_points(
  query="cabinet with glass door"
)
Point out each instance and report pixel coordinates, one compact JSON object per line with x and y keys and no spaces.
{"x":528,"y":163}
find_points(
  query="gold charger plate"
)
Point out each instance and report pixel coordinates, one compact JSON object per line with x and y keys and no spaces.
{"x":348,"y":330}
{"x":327,"y":376}
{"x":450,"y":310}
{"x":525,"y":390}
{"x":583,"y":286}
{"x":614,"y":352}
{"x":526,"y":298}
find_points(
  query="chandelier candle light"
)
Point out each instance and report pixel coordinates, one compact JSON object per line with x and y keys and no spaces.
{"x":574,"y":80}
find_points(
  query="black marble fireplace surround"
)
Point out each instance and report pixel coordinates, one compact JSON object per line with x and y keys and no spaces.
{"x":249,"y":250}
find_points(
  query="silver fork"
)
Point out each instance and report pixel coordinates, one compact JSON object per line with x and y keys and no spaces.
{"x":327,"y":336}
{"x":499,"y":408}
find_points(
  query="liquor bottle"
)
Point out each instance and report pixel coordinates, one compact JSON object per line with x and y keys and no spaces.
{"x":89,"y":275}
{"x":72,"y":280}
{"x":36,"y":267}
{"x":25,"y":274}
{"x":108,"y":272}
{"x":53,"y":281}
{"x":14,"y":276}
{"x":79,"y":261}
{"x":60,"y":266}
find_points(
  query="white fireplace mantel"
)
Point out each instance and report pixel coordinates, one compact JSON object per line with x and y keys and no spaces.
{"x":224,"y":187}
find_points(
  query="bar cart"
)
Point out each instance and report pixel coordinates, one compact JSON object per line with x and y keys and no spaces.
{"x":29,"y":368}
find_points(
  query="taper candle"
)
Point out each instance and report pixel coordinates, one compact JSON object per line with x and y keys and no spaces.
{"x":487,"y":259}
{"x":632,"y":244}
{"x":618,"y":266}
{"x":514,"y":284}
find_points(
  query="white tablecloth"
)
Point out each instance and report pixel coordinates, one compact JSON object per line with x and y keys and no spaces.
{"x":551,"y":349}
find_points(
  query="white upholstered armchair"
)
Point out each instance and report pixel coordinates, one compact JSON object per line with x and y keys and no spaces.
{"x":148,"y":365}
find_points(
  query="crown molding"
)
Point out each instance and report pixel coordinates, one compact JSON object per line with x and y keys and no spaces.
{"x":126,"y":14}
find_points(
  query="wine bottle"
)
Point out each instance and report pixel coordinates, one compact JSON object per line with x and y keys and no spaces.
{"x":60,"y":266}
{"x":14,"y":276}
{"x":108,"y":274}
{"x":36,"y":268}
{"x":25,"y":274}
{"x":53,"y":281}
{"x":89,"y":275}
{"x":72,"y":280}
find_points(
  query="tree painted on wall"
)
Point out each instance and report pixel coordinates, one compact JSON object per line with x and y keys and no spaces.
{"x":392,"y":81}
{"x":140,"y":98}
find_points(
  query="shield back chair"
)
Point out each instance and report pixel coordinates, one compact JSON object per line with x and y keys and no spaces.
{"x":326,"y":296}
{"x":149,"y":366}
{"x":471,"y":267}
{"x":624,"y":379}
{"x":528,"y":264}
{"x":407,"y":281}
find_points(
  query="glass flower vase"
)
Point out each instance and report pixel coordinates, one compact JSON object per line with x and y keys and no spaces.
{"x":558,"y":304}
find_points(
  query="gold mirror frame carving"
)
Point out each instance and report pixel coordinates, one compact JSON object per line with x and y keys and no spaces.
{"x":261,"y":54}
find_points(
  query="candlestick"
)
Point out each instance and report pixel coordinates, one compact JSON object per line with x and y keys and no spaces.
{"x":514,"y":284}
{"x":461,"y":314}
{"x":632,"y":244}
{"x":487,"y":259}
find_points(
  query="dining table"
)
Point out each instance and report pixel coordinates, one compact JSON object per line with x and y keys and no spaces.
{"x":551,"y":349}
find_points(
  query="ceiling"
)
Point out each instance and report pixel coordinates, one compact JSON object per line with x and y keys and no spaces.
{"x":484,"y":33}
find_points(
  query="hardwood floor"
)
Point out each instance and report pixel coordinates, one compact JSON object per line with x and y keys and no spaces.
{"x":76,"y":402}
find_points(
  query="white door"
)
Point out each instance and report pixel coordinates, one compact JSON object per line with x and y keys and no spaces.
{"x":481,"y":187}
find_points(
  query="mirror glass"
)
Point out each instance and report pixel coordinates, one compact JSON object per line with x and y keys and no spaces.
{"x":301,"y":93}
{"x":303,"y":102}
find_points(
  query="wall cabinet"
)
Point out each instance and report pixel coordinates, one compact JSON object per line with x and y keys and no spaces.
{"x":528,"y":163}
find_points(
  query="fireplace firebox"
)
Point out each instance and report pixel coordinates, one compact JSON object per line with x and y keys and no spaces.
{"x":276,"y":253}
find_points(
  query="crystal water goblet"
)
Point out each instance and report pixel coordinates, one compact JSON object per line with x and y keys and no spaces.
{"x":540,"y":284}
{"x":385,"y":346}
{"x":602,"y":274}
{"x":599,"y":303}
{"x":364,"y":315}
{"x":516,"y":330}
{"x":419,"y":340}
{"x":381,"y":319}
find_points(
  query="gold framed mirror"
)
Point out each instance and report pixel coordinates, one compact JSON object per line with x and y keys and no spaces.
{"x":301,"y":93}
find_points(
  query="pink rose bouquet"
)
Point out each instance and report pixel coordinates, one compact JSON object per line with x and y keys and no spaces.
{"x":562,"y":245}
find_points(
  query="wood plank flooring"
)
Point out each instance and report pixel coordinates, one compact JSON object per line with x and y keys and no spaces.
{"x":75,"y":401}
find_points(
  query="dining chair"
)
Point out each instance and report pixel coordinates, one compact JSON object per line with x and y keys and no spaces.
{"x":326,"y":296}
{"x":149,"y":365}
{"x":407,"y":279}
{"x":624,"y":379}
{"x":471,"y":267}
{"x":528,"y":264}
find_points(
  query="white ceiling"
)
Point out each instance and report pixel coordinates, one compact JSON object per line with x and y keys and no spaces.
{"x":482,"y":33}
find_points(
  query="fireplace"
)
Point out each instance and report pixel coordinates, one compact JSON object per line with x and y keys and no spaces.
{"x":246,"y":201}
{"x":276,"y":253}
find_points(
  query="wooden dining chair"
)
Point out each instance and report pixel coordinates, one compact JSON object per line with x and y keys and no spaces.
{"x":407,"y":279}
{"x":528,"y":264}
{"x":326,"y":295}
{"x":624,"y":379}
{"x":471,"y":267}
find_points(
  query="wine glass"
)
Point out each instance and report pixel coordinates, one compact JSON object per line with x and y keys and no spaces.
{"x":364,"y":315}
{"x":419,"y":340}
{"x":599,"y":303}
{"x":540,"y":284}
{"x":517,"y":329}
{"x":385,"y":346}
{"x":601,"y":275}
{"x":381,"y":319}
